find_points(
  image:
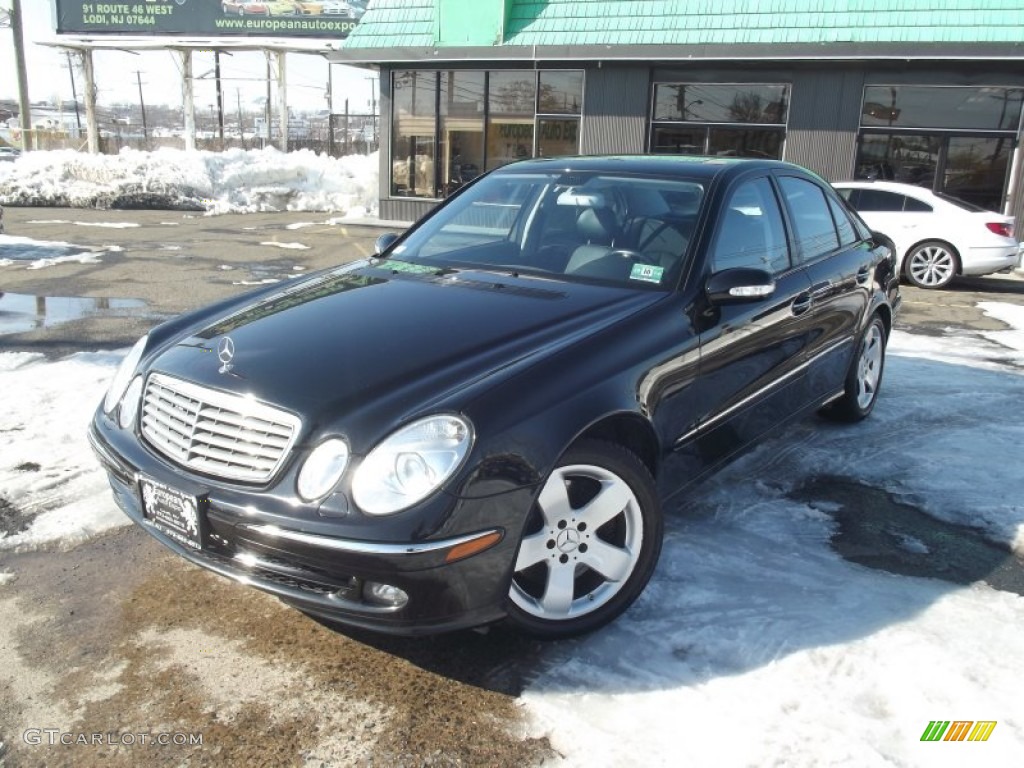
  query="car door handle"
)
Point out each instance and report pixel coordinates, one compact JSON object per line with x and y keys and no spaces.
{"x":863,"y":274}
{"x":821,"y":290}
{"x":801,"y":303}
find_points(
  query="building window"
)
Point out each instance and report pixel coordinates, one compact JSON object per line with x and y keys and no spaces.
{"x":413,"y":136}
{"x":511,"y":106}
{"x":559,"y":104}
{"x":461,"y":139}
{"x":738,"y":120}
{"x":957,"y":140}
{"x":449,"y":127}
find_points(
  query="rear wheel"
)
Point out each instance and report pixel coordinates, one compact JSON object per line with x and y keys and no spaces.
{"x":864,"y":377}
{"x":590,"y":545}
{"x":931,"y":264}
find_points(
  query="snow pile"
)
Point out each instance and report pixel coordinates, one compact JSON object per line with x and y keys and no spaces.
{"x":233,"y":181}
{"x":51,"y":486}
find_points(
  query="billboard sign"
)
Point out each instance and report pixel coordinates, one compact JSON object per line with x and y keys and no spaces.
{"x":327,"y":19}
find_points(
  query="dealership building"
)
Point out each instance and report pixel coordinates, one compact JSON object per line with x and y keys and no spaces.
{"x":928,"y":93}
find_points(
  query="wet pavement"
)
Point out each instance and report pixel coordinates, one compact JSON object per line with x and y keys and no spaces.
{"x":168,"y":260}
{"x":878,"y":530}
{"x":22,"y":312}
{"x":156,"y":645}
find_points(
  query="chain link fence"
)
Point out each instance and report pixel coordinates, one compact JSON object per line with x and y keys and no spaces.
{"x":337,"y":135}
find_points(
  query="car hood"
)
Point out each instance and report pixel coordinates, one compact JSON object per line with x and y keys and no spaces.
{"x":346,"y":341}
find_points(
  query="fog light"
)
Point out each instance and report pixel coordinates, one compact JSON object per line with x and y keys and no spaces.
{"x":384,"y":594}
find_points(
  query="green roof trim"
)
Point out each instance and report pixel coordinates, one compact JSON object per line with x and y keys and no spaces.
{"x":765,"y":22}
{"x":564,"y":23}
{"x":395,"y":24}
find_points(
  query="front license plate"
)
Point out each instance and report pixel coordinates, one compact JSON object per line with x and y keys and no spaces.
{"x":177,"y":514}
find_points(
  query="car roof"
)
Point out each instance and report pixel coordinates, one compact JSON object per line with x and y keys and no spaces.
{"x":691,"y":166}
{"x":913,"y":190}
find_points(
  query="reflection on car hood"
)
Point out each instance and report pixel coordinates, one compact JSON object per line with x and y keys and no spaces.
{"x":353,"y":337}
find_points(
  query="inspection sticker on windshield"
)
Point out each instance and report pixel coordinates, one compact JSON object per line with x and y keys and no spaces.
{"x":647,"y":272}
{"x":407,"y":266}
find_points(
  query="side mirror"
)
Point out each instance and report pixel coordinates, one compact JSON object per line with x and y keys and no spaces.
{"x":738,"y":286}
{"x":384,"y":242}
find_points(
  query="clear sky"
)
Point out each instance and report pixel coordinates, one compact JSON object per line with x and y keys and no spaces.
{"x":242,"y":74}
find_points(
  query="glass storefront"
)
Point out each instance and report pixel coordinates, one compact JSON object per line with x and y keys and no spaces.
{"x":957,"y":140}
{"x":412,"y":139}
{"x":461,"y":136}
{"x":475,"y":121}
{"x":735,"y":120}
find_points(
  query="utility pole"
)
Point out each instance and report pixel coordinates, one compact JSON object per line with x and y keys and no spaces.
{"x":220,"y":98}
{"x":74,"y":93}
{"x":373,"y":102}
{"x":330,"y":110}
{"x":241,"y":126}
{"x":92,"y":126}
{"x":145,"y":128}
{"x":266,"y":115}
{"x":19,"y":55}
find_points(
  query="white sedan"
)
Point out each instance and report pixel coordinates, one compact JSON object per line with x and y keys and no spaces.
{"x":936,"y":237}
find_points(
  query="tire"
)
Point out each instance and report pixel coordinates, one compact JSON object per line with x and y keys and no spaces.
{"x":864,"y":379}
{"x":590,"y":545}
{"x":931,"y":264}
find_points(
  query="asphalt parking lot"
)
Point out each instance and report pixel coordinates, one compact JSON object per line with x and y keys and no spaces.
{"x":117,"y":636}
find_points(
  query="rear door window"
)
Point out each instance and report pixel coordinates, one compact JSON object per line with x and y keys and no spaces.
{"x":815,"y":231}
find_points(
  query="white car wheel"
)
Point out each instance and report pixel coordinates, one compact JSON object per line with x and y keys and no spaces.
{"x":932,"y":264}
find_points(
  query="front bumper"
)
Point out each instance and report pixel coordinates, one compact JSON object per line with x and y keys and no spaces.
{"x":326,"y":575}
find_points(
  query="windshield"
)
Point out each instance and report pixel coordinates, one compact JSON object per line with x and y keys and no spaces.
{"x":623,"y":229}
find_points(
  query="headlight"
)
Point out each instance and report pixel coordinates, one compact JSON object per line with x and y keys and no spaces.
{"x":124,"y":373}
{"x":130,"y":403}
{"x":322,"y":469}
{"x":411,"y":464}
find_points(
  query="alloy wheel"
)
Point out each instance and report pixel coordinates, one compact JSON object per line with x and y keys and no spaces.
{"x":869,"y":366}
{"x":931,"y":265}
{"x":583,"y":546}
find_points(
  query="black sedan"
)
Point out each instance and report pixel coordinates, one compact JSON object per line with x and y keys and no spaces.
{"x":485,"y":420}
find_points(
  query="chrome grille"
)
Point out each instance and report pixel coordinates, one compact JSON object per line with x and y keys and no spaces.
{"x":220,"y":434}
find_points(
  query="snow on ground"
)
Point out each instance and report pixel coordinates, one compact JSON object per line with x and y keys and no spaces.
{"x":287,"y":246}
{"x":239,"y":181}
{"x":108,"y":224}
{"x":757,"y":644}
{"x":993,"y":350}
{"x":37,"y":254}
{"x":47,"y":471}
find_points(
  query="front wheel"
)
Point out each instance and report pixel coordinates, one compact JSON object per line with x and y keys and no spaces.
{"x":932,"y":264}
{"x":864,"y":378}
{"x":590,"y":545}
